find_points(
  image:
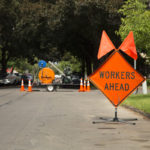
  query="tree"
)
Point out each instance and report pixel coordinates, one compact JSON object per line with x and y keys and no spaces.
{"x":70,"y":64}
{"x":81,"y":24}
{"x":26,"y":31}
{"x":36,"y":30}
{"x":136,"y":18}
{"x":48,"y":28}
{"x":8,"y":21}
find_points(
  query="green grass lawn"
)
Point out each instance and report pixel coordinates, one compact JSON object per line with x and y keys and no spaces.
{"x":141,"y":102}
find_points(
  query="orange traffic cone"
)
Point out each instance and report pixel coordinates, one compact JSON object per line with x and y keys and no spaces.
{"x":22,"y":86}
{"x":81,"y":86}
{"x":29,"y":86}
{"x":84,"y":85}
{"x":88,"y":86}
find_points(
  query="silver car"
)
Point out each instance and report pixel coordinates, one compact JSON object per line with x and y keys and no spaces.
{"x":10,"y":78}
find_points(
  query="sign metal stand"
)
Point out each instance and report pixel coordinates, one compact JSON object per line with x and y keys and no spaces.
{"x":115,"y":119}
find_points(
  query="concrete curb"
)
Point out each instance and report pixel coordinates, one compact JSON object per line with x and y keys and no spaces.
{"x":147,"y":115}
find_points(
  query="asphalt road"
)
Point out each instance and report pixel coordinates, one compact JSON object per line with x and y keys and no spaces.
{"x":62,"y":120}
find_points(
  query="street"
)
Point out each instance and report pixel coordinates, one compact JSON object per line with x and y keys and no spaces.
{"x":62,"y":120}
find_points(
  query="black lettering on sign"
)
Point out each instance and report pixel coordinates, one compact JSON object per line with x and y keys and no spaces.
{"x":122,"y":75}
{"x":112,"y":75}
{"x":117,"y":75}
{"x":132,"y":75}
{"x":127,"y":75}
{"x":111,"y":86}
{"x":101,"y":74}
{"x":107,"y":74}
{"x":116,"y":87}
{"x":121,"y":87}
{"x":126,"y":86}
{"x":106,"y":87}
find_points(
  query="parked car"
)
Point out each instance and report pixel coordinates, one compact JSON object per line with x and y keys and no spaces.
{"x":75,"y":79}
{"x":26,"y":77}
{"x":10,"y":78}
{"x":2,"y":77}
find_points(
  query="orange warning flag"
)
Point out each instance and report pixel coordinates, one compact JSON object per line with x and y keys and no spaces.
{"x":128,"y":46}
{"x":105,"y":45}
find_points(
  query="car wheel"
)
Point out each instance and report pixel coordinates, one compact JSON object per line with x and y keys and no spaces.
{"x":50,"y":88}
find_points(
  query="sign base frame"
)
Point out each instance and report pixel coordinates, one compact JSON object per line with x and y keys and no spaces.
{"x":115,"y":119}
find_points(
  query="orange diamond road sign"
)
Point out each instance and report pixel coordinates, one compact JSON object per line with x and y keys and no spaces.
{"x":116,"y":78}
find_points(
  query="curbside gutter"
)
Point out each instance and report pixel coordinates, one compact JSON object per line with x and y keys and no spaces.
{"x":147,"y":115}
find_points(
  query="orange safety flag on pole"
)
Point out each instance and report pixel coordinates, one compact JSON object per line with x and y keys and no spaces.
{"x":105,"y":45}
{"x":128,"y":46}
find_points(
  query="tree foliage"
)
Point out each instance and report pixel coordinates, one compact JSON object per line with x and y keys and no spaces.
{"x":47,"y":29}
{"x":69,"y":64}
{"x":8,"y":26}
{"x":81,"y":24}
{"x":136,"y":18}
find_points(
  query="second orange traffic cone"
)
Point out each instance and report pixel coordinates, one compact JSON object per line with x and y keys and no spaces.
{"x":29,"y":86}
{"x":22,"y":86}
{"x":81,"y":86}
{"x":85,"y":85}
{"x":88,"y":86}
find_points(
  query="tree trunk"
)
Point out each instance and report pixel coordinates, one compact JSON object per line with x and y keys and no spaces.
{"x":4,"y":61}
{"x":88,"y":66}
{"x":83,"y":67}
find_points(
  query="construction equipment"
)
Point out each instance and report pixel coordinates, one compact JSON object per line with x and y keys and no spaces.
{"x":48,"y":78}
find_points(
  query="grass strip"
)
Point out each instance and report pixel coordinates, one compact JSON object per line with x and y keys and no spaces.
{"x":141,"y":102}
